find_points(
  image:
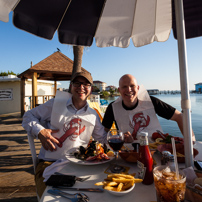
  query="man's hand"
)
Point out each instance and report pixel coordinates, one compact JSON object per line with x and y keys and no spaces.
{"x":47,"y":140}
{"x":128,"y":138}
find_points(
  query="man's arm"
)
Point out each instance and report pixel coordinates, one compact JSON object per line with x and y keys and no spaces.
{"x":35,"y":122}
{"x":37,"y":118}
{"x":162,"y":109}
{"x":99,"y":133}
{"x":178,"y":117}
{"x":166,"y":111}
{"x":108,"y":118}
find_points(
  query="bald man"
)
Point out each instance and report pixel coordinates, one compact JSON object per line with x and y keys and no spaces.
{"x":135,"y":111}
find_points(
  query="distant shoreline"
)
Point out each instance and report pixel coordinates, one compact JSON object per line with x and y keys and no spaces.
{"x":164,"y":92}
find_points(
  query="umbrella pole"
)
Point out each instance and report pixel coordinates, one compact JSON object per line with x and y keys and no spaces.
{"x":185,"y":98}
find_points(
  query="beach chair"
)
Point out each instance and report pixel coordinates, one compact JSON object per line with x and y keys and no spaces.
{"x":34,"y":156}
{"x":96,"y":107}
{"x":33,"y":151}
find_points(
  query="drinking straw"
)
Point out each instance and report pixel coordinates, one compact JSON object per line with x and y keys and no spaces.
{"x":175,"y":158}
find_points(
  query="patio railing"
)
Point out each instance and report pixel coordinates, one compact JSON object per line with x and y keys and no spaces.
{"x":39,"y":99}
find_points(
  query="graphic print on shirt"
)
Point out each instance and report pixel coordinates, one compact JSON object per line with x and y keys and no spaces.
{"x":73,"y":129}
{"x":139,"y":122}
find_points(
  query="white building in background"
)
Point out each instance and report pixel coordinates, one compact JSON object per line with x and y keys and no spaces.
{"x":108,"y":88}
{"x":10,"y":93}
{"x":100,"y":85}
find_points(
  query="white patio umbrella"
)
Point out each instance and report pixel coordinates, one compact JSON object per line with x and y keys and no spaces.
{"x":114,"y":23}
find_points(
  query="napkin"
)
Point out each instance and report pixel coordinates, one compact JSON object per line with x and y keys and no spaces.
{"x":54,"y":167}
{"x":190,"y":175}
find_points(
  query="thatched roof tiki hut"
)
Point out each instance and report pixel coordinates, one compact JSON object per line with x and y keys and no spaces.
{"x":56,"y":67}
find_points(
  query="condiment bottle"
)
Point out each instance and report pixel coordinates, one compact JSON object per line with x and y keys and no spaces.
{"x":145,"y":161}
{"x":171,"y":162}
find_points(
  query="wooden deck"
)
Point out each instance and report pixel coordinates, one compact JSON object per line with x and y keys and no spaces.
{"x":16,"y":168}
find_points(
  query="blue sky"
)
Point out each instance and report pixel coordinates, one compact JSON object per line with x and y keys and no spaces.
{"x":155,"y":65}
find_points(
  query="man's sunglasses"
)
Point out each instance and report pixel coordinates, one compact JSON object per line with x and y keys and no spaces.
{"x":78,"y":84}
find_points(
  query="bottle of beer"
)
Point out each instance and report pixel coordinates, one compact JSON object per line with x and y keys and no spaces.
{"x":145,"y":161}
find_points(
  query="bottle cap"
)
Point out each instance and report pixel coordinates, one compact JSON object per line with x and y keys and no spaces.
{"x":144,"y":134}
{"x":171,"y":157}
{"x":166,"y":153}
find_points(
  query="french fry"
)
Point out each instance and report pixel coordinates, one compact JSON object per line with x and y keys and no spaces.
{"x":128,"y":185}
{"x":122,"y":180}
{"x":106,"y":183}
{"x":110,"y":178}
{"x":112,"y":184}
{"x":137,"y":180}
{"x":119,"y":188}
{"x":110,"y":188}
{"x":121,"y":175}
{"x":99,"y":183}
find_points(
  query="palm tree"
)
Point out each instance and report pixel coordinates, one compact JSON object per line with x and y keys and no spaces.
{"x":78,"y":54}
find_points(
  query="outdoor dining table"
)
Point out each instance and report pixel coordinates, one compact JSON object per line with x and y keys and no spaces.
{"x":141,"y":192}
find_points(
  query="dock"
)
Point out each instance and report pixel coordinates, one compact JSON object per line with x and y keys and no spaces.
{"x":16,"y":167}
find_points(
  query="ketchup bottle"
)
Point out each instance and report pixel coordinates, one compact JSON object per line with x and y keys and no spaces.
{"x":145,"y":161}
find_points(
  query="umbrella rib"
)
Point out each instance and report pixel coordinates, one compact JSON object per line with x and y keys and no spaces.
{"x":133,"y":19}
{"x":15,"y":5}
{"x":100,"y":17}
{"x":155,"y":19}
{"x":64,"y":14}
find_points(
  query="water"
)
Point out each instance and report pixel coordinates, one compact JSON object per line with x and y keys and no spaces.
{"x":171,"y":127}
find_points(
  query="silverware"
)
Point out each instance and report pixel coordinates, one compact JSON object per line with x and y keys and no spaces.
{"x":78,"y":189}
{"x":80,"y":179}
{"x":59,"y":193}
{"x":82,"y":196}
{"x":161,"y":134}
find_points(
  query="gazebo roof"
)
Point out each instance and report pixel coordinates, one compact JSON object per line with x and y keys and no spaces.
{"x":56,"y":67}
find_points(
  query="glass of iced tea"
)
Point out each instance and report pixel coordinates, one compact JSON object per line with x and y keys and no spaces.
{"x":168,"y":187}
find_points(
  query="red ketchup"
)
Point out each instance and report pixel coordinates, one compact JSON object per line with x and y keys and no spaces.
{"x":145,"y":161}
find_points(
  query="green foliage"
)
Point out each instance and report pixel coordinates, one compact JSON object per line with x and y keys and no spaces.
{"x":7,"y":73}
{"x":96,"y":89}
{"x":105,"y":94}
{"x":112,"y":91}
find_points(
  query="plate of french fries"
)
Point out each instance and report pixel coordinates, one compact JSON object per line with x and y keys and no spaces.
{"x":119,"y":184}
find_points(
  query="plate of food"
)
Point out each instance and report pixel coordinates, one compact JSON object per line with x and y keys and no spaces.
{"x":93,"y":154}
{"x":158,"y":136}
{"x":179,"y":151}
{"x":163,"y":143}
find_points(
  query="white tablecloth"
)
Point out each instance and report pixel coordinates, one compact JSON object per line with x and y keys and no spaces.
{"x":143,"y":193}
